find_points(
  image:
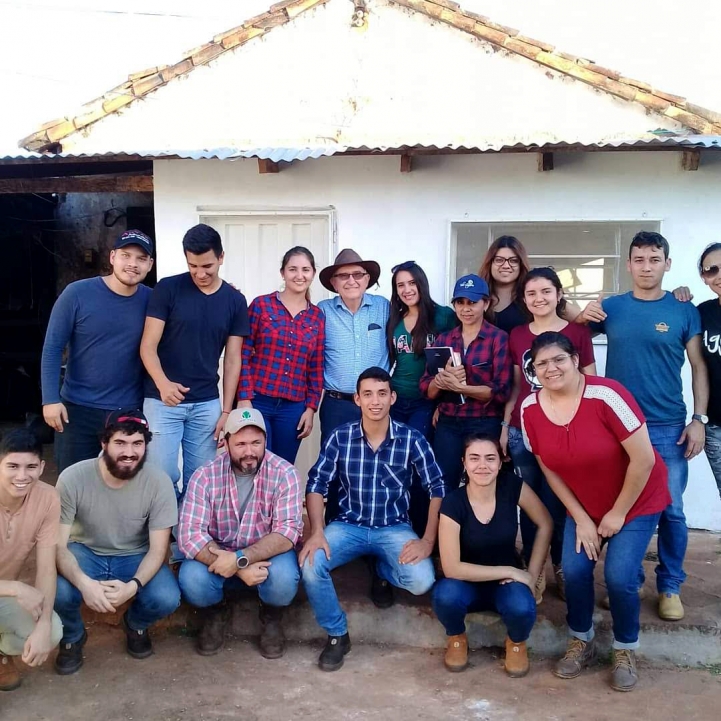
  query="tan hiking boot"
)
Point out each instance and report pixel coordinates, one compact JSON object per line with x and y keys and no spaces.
{"x":540,"y":587}
{"x":456,"y":653}
{"x":9,"y":675}
{"x":624,"y":676}
{"x":560,"y":581}
{"x":579,"y":654}
{"x":606,"y":603}
{"x":516,"y":661}
{"x":670,"y":607}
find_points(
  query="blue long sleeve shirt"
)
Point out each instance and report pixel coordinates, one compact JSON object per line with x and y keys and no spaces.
{"x":102,"y":332}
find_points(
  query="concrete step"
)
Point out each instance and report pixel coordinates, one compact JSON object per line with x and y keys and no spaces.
{"x":410,"y":622}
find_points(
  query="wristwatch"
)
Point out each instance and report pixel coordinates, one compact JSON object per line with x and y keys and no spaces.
{"x":700,"y":418}
{"x":241,"y":561}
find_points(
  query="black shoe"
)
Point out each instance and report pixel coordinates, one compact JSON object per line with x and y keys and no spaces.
{"x":381,"y":592}
{"x":70,"y":656}
{"x":212,"y":635}
{"x":336,"y":647}
{"x":272,"y":638}
{"x":139,"y":644}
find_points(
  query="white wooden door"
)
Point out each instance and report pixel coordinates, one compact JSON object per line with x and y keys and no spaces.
{"x":254,"y":247}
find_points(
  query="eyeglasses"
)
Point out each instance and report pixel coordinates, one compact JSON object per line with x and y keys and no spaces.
{"x":557,"y":361}
{"x":403,"y":266}
{"x":499,"y":261}
{"x":710,"y":271}
{"x":358,"y":275}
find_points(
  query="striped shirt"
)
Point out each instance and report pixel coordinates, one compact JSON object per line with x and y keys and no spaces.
{"x":210,"y":511}
{"x":353,"y":341}
{"x":374,"y":485}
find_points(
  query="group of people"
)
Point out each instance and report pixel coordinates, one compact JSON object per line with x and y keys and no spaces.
{"x":516,"y":423}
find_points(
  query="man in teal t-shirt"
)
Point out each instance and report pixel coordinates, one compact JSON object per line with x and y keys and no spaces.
{"x":649,"y":333}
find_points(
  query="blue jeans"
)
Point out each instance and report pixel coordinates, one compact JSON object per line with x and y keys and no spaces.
{"x":672,"y":528}
{"x":189,"y":426}
{"x":202,"y":588}
{"x":624,"y":554}
{"x":281,"y":425}
{"x":347,"y":542}
{"x":451,"y":432}
{"x":453,"y":599}
{"x":713,"y":452}
{"x":157,"y":599}
{"x":416,"y":413}
{"x":528,"y":470}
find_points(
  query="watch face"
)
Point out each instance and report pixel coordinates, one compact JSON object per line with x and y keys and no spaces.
{"x":242,"y":562}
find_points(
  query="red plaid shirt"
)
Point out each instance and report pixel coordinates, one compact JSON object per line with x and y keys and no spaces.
{"x":487,"y":362}
{"x":283,"y":356}
{"x":210,"y":508}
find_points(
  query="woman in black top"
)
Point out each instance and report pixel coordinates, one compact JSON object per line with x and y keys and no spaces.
{"x":477,"y":540}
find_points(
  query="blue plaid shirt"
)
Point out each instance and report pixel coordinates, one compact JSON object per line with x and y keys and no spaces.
{"x":374,"y":485}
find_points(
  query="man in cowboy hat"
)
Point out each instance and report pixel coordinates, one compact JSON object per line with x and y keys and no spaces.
{"x":355,"y":339}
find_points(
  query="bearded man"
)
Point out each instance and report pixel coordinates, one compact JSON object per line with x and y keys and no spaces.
{"x":115,"y":520}
{"x":239,"y":523}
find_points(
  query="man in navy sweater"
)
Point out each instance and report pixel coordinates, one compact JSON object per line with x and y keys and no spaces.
{"x":100,"y":321}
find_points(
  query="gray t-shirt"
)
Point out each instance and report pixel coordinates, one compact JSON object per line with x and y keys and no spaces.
{"x":244,"y":484}
{"x":115,"y":521}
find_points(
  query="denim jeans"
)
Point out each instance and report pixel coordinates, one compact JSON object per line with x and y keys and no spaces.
{"x":672,"y":529}
{"x":528,"y":470}
{"x":281,"y":425}
{"x":347,"y":542}
{"x":453,"y":599}
{"x":188,"y":426}
{"x":80,"y":438}
{"x":416,"y":413}
{"x":713,"y":452}
{"x":624,"y":554}
{"x":157,"y":599}
{"x":334,"y":412}
{"x":202,"y":588}
{"x":451,"y":432}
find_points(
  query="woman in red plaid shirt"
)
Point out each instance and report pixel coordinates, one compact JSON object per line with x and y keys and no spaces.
{"x":282,"y":373}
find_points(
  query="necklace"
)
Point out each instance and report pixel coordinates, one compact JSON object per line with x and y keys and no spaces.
{"x":579,"y":395}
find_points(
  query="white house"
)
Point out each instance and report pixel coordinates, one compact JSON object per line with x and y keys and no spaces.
{"x":412,"y":129}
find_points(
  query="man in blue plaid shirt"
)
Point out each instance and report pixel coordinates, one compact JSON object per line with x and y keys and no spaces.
{"x":372,"y":461}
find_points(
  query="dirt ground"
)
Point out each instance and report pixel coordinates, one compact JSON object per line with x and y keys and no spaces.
{"x":376,"y":683}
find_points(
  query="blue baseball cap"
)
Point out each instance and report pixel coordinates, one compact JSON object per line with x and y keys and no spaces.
{"x":472,"y":287}
{"x":135,"y":237}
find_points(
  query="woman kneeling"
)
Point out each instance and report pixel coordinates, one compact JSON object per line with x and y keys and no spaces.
{"x":477,"y":539}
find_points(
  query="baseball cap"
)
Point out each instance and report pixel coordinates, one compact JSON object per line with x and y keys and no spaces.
{"x":135,"y":237}
{"x":242,"y":417}
{"x":472,"y":287}
{"x":125,"y":415}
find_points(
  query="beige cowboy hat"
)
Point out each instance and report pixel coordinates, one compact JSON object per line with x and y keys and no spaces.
{"x":348,"y":256}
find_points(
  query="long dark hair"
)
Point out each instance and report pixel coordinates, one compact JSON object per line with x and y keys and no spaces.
{"x":547,"y":273}
{"x":512,"y":243}
{"x":426,"y":311}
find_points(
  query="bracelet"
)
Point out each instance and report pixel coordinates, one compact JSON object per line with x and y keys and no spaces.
{"x":138,"y":581}
{"x":225,"y":413}
{"x":505,"y":424}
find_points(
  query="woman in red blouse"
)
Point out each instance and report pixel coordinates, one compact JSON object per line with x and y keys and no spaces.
{"x":591,"y":442}
{"x":282,"y":373}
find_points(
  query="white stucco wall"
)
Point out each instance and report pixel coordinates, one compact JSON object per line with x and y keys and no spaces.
{"x":391,"y":217}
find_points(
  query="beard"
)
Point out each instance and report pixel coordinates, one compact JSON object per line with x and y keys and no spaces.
{"x":121,"y":472}
{"x":252,"y":464}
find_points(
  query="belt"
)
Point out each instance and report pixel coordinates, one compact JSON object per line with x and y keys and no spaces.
{"x":340,"y":396}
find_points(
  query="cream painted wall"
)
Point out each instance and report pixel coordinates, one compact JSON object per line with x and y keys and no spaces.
{"x":391,"y":217}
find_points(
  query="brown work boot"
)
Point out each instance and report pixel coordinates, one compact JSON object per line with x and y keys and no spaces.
{"x":9,"y":675}
{"x":670,"y":607}
{"x":516,"y":662}
{"x":456,"y":653}
{"x":560,"y":581}
{"x":624,"y":676}
{"x":579,"y":654}
{"x":212,"y":634}
{"x":272,"y":638}
{"x":540,"y":586}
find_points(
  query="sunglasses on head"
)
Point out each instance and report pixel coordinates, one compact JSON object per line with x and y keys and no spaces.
{"x":710,"y":271}
{"x":403,"y":266}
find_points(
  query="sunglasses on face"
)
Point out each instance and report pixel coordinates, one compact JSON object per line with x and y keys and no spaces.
{"x":358,"y":275}
{"x":403,"y":266}
{"x":710,"y":271}
{"x":500,"y":261}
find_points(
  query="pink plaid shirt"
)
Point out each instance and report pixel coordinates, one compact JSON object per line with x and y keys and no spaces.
{"x":210,"y":509}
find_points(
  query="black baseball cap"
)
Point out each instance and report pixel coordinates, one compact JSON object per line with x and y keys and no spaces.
{"x":126,"y":415}
{"x":135,"y":237}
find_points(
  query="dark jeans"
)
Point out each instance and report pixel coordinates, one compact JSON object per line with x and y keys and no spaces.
{"x":453,"y":599}
{"x":451,"y":432}
{"x":334,"y":412}
{"x":80,"y":438}
{"x":528,"y":470}
{"x":416,"y":413}
{"x":281,"y":424}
